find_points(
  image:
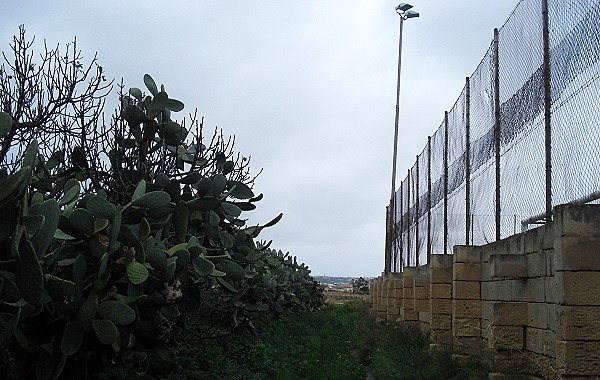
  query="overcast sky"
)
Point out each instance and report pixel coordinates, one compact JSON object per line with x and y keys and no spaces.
{"x":308,"y":88}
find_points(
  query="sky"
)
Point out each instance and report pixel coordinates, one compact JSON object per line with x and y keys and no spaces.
{"x":307,"y":87}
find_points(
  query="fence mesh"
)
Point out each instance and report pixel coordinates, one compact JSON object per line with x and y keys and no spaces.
{"x":575,"y":111}
{"x":546,"y":125}
{"x":483,"y":177}
{"x":457,"y":164}
{"x":437,"y":191}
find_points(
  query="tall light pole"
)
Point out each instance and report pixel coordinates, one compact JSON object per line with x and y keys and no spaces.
{"x":405,"y":13}
{"x":403,"y":10}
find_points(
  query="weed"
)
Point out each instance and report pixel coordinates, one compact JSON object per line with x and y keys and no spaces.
{"x":338,"y":342}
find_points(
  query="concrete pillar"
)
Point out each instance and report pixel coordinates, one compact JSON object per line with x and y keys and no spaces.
{"x":466,"y":298}
{"x":410,"y":316}
{"x":422,"y":297}
{"x":393,"y":310}
{"x":440,"y":289}
{"x":577,"y":265}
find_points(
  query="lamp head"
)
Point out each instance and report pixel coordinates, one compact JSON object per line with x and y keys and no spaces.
{"x":411,"y":14}
{"x":403,"y":7}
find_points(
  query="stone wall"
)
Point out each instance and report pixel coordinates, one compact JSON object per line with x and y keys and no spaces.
{"x":531,"y":301}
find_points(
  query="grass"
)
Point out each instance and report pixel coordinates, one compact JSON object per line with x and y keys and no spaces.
{"x":338,"y":342}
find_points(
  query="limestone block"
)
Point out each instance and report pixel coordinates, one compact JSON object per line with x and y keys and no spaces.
{"x":422,"y":280}
{"x":441,"y":321}
{"x":503,"y":290}
{"x":409,"y":303}
{"x":536,"y":289}
{"x":577,"y":220}
{"x":508,"y":337}
{"x":425,"y":316}
{"x":551,"y":289}
{"x":467,"y":272}
{"x":466,"y":290}
{"x":553,"y":316}
{"x":408,"y":283}
{"x":578,"y":357}
{"x":540,"y":238}
{"x":422,"y":292}
{"x":489,"y":290}
{"x":549,"y":344}
{"x":578,"y":288}
{"x":398,"y":293}
{"x":393,"y":310}
{"x":466,"y":308}
{"x":508,"y":266}
{"x":396,"y":302}
{"x":441,"y":306}
{"x":487,"y":310}
{"x":535,"y":340}
{"x":441,"y":261}
{"x":518,"y":290}
{"x":398,"y":282}
{"x":579,"y":323}
{"x":441,"y":290}
{"x":516,"y":244}
{"x":536,"y":264}
{"x":509,"y":314}
{"x":550,"y":266}
{"x":441,"y":276}
{"x":442,"y":336}
{"x":512,"y":361}
{"x":577,"y":253}
{"x":537,"y":315}
{"x":409,"y":315}
{"x":466,"y":327}
{"x":422,"y":305}
{"x":467,"y":254}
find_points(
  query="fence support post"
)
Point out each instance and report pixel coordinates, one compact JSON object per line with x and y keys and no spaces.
{"x":401,"y":261}
{"x":428,"y":199}
{"x":409,"y":221}
{"x":446,"y":182}
{"x":394,"y":245}
{"x":388,"y":238}
{"x":467,"y":161}
{"x":497,"y":128}
{"x":417,"y":214}
{"x":547,"y":111}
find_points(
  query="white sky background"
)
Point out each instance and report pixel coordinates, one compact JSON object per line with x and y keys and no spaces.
{"x":308,"y":88}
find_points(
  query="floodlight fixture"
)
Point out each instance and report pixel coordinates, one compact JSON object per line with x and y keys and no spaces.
{"x":411,"y":14}
{"x":403,"y":7}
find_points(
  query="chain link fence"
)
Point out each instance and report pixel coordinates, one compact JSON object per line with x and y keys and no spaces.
{"x":522,"y":137}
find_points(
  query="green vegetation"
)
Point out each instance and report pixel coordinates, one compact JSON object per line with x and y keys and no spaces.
{"x":337,"y":342}
{"x":117,"y":239}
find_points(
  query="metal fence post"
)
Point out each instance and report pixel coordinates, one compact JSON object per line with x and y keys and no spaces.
{"x":401,"y":262}
{"x":467,"y":161}
{"x":417,"y":214}
{"x":497,"y":127}
{"x":547,"y":111}
{"x":429,"y":199}
{"x":388,"y":235}
{"x":394,"y":254}
{"x":445,"y":182}
{"x":409,"y":222}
